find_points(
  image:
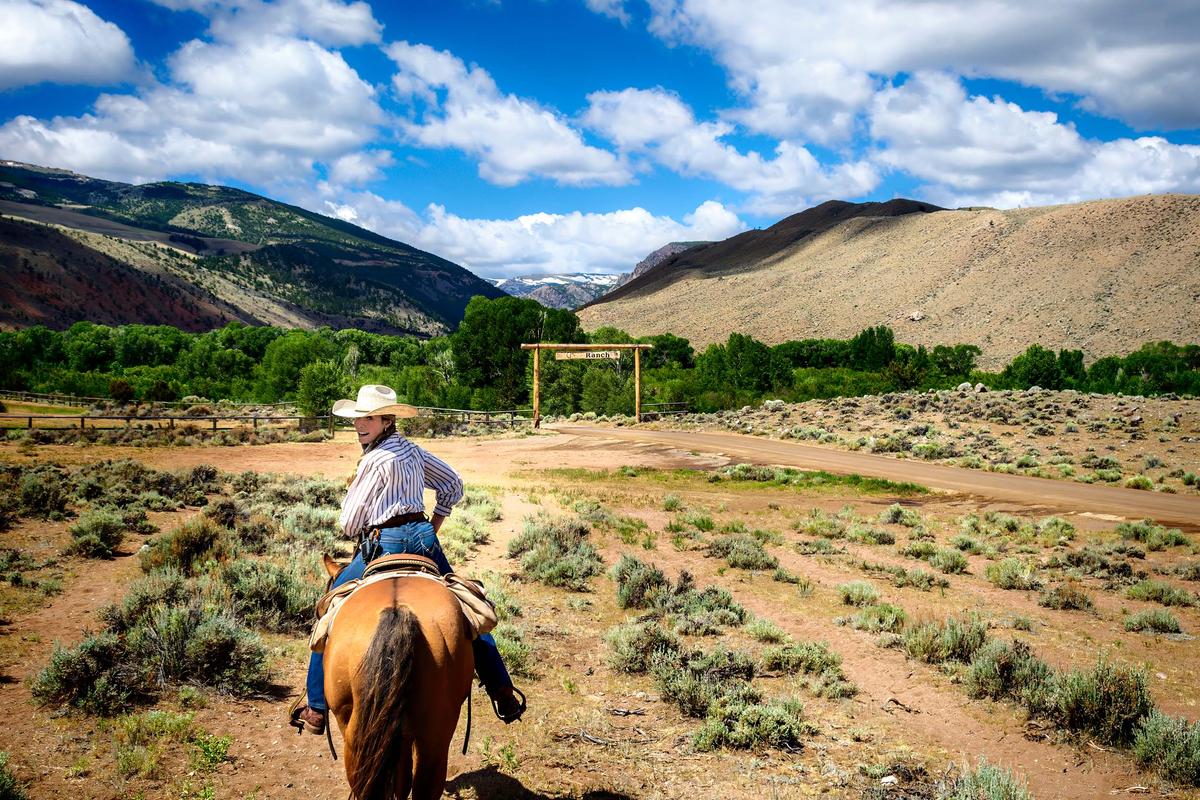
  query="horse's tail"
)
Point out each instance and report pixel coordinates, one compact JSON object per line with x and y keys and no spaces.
{"x":375,"y":749}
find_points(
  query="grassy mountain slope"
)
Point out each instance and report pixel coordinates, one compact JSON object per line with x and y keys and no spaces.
{"x":276,"y":254}
{"x":1103,"y":276}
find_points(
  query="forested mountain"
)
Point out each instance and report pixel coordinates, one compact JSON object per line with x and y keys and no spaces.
{"x":225,"y":254}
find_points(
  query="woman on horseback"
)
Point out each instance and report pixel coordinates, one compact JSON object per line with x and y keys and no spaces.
{"x":385,"y":511}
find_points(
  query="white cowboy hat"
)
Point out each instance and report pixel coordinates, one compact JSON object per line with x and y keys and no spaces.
{"x":374,"y":400}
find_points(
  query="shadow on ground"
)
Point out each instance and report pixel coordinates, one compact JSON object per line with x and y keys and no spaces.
{"x":495,"y":785}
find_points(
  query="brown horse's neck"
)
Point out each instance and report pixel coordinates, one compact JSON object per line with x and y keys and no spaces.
{"x":384,"y":672}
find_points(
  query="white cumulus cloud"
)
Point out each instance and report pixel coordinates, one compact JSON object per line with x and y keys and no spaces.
{"x":260,"y":111}
{"x":540,"y":243}
{"x":329,"y":22}
{"x":658,"y":124}
{"x":513,"y":138}
{"x":60,"y":41}
{"x":980,"y":150}
{"x":809,"y":68}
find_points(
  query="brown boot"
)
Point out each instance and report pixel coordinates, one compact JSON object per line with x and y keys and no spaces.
{"x":312,"y":720}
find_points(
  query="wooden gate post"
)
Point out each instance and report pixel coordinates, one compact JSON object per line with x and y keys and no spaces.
{"x":637,"y":385}
{"x":537,"y":380}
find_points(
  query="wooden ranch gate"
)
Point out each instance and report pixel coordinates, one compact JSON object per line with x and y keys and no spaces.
{"x":570,"y":352}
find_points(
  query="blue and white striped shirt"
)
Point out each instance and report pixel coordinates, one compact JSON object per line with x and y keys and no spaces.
{"x":391,"y":480}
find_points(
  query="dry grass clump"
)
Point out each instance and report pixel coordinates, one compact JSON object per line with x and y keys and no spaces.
{"x":896,"y":514}
{"x":556,"y":552}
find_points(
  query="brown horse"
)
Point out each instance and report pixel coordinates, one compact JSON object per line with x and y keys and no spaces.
{"x":398,"y":666}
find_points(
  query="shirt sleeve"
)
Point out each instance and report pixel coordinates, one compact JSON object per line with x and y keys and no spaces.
{"x":444,"y":481}
{"x":356,"y":509}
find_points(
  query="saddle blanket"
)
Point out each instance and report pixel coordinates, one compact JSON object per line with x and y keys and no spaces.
{"x":478,"y":610}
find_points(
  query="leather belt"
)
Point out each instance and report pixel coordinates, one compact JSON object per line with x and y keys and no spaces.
{"x":401,"y":519}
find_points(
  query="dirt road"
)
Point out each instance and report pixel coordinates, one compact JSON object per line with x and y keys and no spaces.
{"x":1042,"y":493}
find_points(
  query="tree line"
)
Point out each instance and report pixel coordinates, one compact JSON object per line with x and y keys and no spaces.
{"x":482,"y":366}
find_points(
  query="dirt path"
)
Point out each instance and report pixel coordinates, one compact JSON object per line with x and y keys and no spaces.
{"x":1039,"y":493}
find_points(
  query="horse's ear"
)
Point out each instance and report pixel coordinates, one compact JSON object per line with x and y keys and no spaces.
{"x":331,"y":566}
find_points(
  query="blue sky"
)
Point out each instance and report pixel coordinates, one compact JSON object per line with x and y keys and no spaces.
{"x":579,"y":135}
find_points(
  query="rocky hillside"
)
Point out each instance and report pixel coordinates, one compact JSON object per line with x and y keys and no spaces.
{"x":253,"y":258}
{"x":654,"y":259}
{"x":559,"y":291}
{"x":1103,"y":276}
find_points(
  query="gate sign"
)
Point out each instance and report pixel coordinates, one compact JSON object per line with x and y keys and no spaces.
{"x":571,"y":355}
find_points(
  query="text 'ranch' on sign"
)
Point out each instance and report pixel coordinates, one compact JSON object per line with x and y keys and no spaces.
{"x":571,"y":355}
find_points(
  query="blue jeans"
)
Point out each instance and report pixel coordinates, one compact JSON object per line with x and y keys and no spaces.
{"x":417,"y":538}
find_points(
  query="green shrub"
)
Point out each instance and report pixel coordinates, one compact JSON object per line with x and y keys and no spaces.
{"x":672,"y":503}
{"x":269,"y":597}
{"x":1171,"y":745}
{"x":140,"y":738}
{"x":880,"y":618}
{"x":556,"y":552}
{"x":517,"y":655}
{"x":734,"y":722}
{"x":1139,"y":482}
{"x":815,"y":547}
{"x":1155,"y":621}
{"x":920,"y":550}
{"x":97,"y":534}
{"x":808,"y":657}
{"x":1107,"y":701}
{"x":186,"y":548}
{"x":633,"y":646}
{"x":10,"y":787}
{"x":867,"y":534}
{"x":951,"y":562}
{"x":43,"y":493}
{"x":764,"y":630}
{"x":1066,"y":596}
{"x":1002,"y":669}
{"x":985,"y":782}
{"x":954,"y":639}
{"x":701,"y":612}
{"x":819,"y":524}
{"x":93,"y":676}
{"x":1155,"y":537}
{"x":699,"y":520}
{"x":637,"y":582}
{"x":694,"y":680}
{"x":858,"y":593}
{"x":1013,"y":573}
{"x":1161,"y":592}
{"x":742,"y":551}
{"x":316,"y":525}
{"x":966,"y":544}
{"x":898,"y":514}
{"x":197,"y":644}
{"x":166,"y":587}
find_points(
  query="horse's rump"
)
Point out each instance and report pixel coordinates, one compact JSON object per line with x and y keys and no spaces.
{"x":400,"y":652}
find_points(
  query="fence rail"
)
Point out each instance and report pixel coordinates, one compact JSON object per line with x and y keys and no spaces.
{"x":58,"y":398}
{"x":85,"y":420}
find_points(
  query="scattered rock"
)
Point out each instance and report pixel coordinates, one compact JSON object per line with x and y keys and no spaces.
{"x":965,"y":386}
